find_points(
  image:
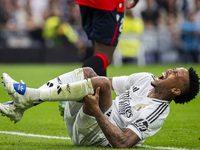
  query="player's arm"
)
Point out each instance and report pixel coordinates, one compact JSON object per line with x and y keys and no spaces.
{"x":132,"y":4}
{"x":110,"y":80}
{"x":116,"y":137}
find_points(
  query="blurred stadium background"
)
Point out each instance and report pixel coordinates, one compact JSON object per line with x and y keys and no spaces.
{"x":155,"y":31}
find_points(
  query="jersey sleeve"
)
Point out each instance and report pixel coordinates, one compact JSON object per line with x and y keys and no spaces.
{"x":146,"y":126}
{"x":123,"y":83}
{"x":118,"y":84}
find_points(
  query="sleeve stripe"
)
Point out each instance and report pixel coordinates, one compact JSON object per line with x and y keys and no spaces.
{"x":160,"y":109}
{"x":159,"y":114}
{"x":157,"y":109}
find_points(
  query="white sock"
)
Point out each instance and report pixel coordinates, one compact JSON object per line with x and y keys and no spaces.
{"x":32,"y":95}
{"x":73,"y":76}
{"x":67,"y":92}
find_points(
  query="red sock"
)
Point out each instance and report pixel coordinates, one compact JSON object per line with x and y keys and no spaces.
{"x":98,"y":63}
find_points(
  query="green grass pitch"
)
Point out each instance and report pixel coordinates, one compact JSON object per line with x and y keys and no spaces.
{"x":180,"y":130}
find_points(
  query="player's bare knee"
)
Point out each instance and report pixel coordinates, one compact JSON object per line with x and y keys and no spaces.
{"x":102,"y":82}
{"x":87,"y":69}
{"x":89,"y":72}
{"x":106,"y":84}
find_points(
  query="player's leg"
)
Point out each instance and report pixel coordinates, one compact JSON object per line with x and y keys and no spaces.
{"x":102,"y":58}
{"x":105,"y":100}
{"x":24,"y":98}
{"x":75,"y":91}
{"x":69,"y":77}
{"x":95,"y":62}
{"x":76,"y":75}
{"x":10,"y":109}
{"x":72,"y":76}
{"x":103,"y":28}
{"x":81,"y":124}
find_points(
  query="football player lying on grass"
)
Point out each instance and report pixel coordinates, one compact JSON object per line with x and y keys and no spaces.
{"x":91,"y":116}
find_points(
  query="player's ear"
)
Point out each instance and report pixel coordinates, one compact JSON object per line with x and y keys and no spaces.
{"x":176,"y":91}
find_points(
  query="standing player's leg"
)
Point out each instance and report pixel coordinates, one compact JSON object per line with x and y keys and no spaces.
{"x":103,"y":28}
{"x":102,"y":58}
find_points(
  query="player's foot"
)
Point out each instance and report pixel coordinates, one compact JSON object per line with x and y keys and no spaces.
{"x":62,"y":107}
{"x":11,"y":111}
{"x":20,"y":102}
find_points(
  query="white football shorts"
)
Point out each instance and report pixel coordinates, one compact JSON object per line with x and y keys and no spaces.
{"x":82,"y":128}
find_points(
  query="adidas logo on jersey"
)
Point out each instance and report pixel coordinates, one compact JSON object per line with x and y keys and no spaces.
{"x":135,"y":89}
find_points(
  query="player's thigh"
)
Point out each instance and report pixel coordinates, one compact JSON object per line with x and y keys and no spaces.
{"x":86,"y":131}
{"x":105,"y":94}
{"x":101,"y":25}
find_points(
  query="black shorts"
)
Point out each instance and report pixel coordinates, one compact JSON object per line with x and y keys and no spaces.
{"x":101,"y":25}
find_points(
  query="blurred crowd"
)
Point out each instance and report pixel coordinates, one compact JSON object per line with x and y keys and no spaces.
{"x":155,"y":31}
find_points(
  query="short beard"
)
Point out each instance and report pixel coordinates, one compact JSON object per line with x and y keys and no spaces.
{"x":153,"y":85}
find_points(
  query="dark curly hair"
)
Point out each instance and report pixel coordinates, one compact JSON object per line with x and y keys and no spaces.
{"x":193,"y":88}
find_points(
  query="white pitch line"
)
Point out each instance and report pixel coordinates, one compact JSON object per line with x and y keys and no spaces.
{"x":34,"y":135}
{"x":68,"y":138}
{"x":164,"y":148}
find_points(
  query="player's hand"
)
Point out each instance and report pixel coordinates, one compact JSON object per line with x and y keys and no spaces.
{"x":132,"y":4}
{"x":92,"y":101}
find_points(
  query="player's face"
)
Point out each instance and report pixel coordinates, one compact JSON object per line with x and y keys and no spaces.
{"x":172,"y":78}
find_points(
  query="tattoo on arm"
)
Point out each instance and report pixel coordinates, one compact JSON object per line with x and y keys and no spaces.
{"x":114,"y":135}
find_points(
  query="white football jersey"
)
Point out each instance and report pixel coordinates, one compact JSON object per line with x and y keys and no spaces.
{"x":133,"y":109}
